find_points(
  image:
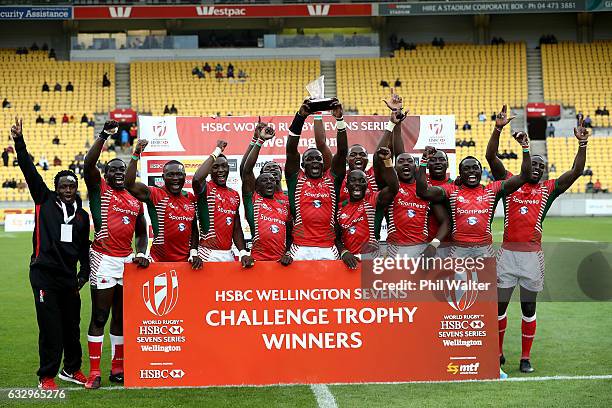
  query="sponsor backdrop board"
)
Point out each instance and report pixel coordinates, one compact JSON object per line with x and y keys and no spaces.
{"x":19,"y":222}
{"x":192,"y":139}
{"x":311,"y":323}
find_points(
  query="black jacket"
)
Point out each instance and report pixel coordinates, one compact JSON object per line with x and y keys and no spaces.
{"x":53,"y":263}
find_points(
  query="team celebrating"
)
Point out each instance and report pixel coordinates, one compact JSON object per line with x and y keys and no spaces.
{"x":333,"y":210}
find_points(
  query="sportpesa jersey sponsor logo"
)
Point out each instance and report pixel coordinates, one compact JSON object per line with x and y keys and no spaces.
{"x":410,"y":204}
{"x":355,"y":221}
{"x":270,"y":219}
{"x":125,"y":211}
{"x":477,"y":211}
{"x":226,"y":211}
{"x":179,"y":217}
{"x":316,"y":195}
{"x":518,"y":200}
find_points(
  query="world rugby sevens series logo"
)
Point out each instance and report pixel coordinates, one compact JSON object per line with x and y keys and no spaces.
{"x":160,"y":294}
{"x":160,"y":128}
{"x":436,"y":127}
{"x":457,"y":297}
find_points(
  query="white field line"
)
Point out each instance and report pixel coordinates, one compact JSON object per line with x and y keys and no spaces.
{"x":511,"y":379}
{"x":325,"y":399}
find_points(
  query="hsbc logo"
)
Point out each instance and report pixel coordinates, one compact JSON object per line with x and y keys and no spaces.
{"x":477,"y":324}
{"x":160,"y":294}
{"x":220,"y":11}
{"x":318,"y":9}
{"x":163,"y":374}
{"x":120,"y":12}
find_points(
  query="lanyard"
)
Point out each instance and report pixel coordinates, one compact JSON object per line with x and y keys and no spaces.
{"x":67,"y":219}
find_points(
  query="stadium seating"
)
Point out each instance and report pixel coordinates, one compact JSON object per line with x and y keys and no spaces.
{"x":21,"y":79}
{"x":579,"y":75}
{"x":272,"y":87}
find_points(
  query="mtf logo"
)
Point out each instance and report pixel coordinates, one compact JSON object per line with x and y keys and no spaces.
{"x":462,"y":369}
{"x":161,"y":293}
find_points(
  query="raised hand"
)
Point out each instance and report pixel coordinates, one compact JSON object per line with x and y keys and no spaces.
{"x":384,"y":153}
{"x":428,"y":153}
{"x":336,"y":110}
{"x":397,"y":116}
{"x":305,"y":108}
{"x":221,"y":144}
{"x":267,"y":133}
{"x":394,"y":101}
{"x":580,"y":131}
{"x":17,"y":128}
{"x":522,"y":138}
{"x":140,"y":146}
{"x":111,"y":127}
{"x":502,"y":118}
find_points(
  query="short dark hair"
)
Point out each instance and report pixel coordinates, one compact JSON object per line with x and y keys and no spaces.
{"x":65,"y":173}
{"x":110,"y":161}
{"x":467,"y":158}
{"x":173,"y":162}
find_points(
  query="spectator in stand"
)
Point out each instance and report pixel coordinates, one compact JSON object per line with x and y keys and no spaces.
{"x":45,"y":87}
{"x":36,"y":107}
{"x":588,"y":172}
{"x":504,"y":155}
{"x":69,"y":87}
{"x":72,"y":167}
{"x":579,"y":118}
{"x":45,"y":47}
{"x":43,"y":162}
{"x":435,"y":42}
{"x":65,"y":119}
{"x":463,"y":143}
{"x":13,"y":183}
{"x":597,"y":188}
{"x":125,"y":138}
{"x":57,"y":161}
{"x":384,"y":83}
{"x":39,"y":120}
{"x":166,"y":110}
{"x":553,"y":168}
{"x":598,"y":111}
{"x":588,"y":122}
{"x":467,"y":126}
{"x":398,"y":83}
{"x":21,"y":186}
{"x":56,"y":140}
{"x":52,"y":120}
{"x":482,"y":117}
{"x":84,"y":118}
{"x":6,"y":104}
{"x":5,"y":157}
{"x":589,"y":187}
{"x":105,"y":81}
{"x":207,"y":68}
{"x":550,"y":130}
{"x":196,"y":71}
{"x":57,"y":87}
{"x":5,"y":184}
{"x":471,"y":143}
{"x":512,"y":155}
{"x":34,"y":47}
{"x":173,"y":110}
{"x":91,"y":122}
{"x":52,"y":54}
{"x":218,"y":68}
{"x":493,"y":116}
{"x":605,"y":111}
{"x":230,"y":72}
{"x":241,"y":74}
{"x":15,"y":162}
{"x":230,"y":66}
{"x":79,"y":157}
{"x":133,"y":133}
{"x":219,"y":75}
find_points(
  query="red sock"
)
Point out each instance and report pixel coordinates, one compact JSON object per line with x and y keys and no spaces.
{"x":502,"y":322}
{"x":117,"y":349}
{"x":94,"y":344}
{"x":528,"y":329}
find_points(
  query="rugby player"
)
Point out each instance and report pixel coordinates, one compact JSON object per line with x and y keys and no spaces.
{"x":218,"y":211}
{"x":312,"y":194}
{"x":172,"y":211}
{"x":358,"y":216}
{"x":268,"y":217}
{"x":520,"y":259}
{"x":117,"y":215}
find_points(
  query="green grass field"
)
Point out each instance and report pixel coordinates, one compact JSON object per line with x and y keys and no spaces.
{"x":573,"y":339}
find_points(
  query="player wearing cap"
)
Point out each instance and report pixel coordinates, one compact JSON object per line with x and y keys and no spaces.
{"x":117,"y":215}
{"x":171,"y":209}
{"x":268,"y":217}
{"x":520,"y":260}
{"x":218,"y":211}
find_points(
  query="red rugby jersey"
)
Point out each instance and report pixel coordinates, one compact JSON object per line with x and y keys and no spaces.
{"x":172,"y":217}
{"x":114,"y":214}
{"x":408,"y":217}
{"x":217,"y":216}
{"x":268,"y":219}
{"x":434,"y":226}
{"x":372,"y":187}
{"x":357,"y":222}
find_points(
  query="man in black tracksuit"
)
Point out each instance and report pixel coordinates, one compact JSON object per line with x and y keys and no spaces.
{"x":60,"y":240}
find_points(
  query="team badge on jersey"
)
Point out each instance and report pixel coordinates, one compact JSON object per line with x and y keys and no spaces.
{"x":317,"y":203}
{"x":274,"y":228}
{"x":462,"y":200}
{"x":411,"y":213}
{"x":472,"y":220}
{"x":343,"y":216}
{"x":228,"y":220}
{"x":181,"y":227}
{"x":352,"y":230}
{"x":524,"y":210}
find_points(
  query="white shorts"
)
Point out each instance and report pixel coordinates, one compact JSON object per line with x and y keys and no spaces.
{"x":485,"y":251}
{"x":522,"y":268}
{"x":304,"y":253}
{"x":215,"y":255}
{"x":107,"y":271}
{"x":411,"y":251}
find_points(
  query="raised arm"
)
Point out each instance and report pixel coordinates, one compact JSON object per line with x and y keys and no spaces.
{"x":568,"y":178}
{"x":338,"y":164}
{"x":248,"y":176}
{"x":90,"y":171}
{"x":199,"y":178}
{"x":496,"y":165}
{"x":258,"y":128}
{"x":515,"y":182}
{"x":388,"y":175}
{"x":386,"y":140}
{"x":292,"y":166}
{"x":36,"y":185}
{"x":321,"y":141}
{"x":394,"y":141}
{"x":434,"y":194}
{"x":139,"y":190}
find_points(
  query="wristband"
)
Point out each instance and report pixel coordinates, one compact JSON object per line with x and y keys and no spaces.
{"x":216,"y":152}
{"x":525,"y":149}
{"x":243,"y":252}
{"x":135,"y":157}
{"x":140,"y":255}
{"x":318,"y":117}
{"x":582,"y":143}
{"x":259,"y":143}
{"x":435,"y":243}
{"x":344,"y":252}
{"x":340,"y":124}
{"x":390,"y":126}
{"x":296,"y":126}
{"x":423,"y":162}
{"x":192,"y":254}
{"x":499,"y":129}
{"x":388,"y":162}
{"x":103,"y":135}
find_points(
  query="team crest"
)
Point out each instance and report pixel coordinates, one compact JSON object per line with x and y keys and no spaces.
{"x":317,"y":203}
{"x":266,"y":207}
{"x":524,"y":210}
{"x":461,"y":199}
{"x":181,"y":227}
{"x":480,"y":199}
{"x":228,"y":220}
{"x":436,"y":127}
{"x":472,"y":220}
{"x":352,"y":230}
{"x":274,"y":228}
{"x":125,"y":219}
{"x":159,"y":129}
{"x":411,"y":213}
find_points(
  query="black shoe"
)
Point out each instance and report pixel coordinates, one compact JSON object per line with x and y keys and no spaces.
{"x":525,"y":366}
{"x":116,"y":378}
{"x":502,"y":360}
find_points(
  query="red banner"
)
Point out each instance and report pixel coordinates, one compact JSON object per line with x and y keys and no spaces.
{"x":124,"y":115}
{"x":538,"y":109}
{"x":311,"y":322}
{"x":223,"y":11}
